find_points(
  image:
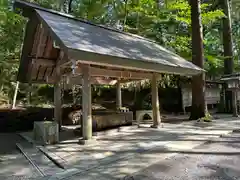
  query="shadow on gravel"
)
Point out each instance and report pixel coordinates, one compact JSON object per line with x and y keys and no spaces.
{"x":198,"y":152}
{"x":221,"y":172}
{"x":8,"y":143}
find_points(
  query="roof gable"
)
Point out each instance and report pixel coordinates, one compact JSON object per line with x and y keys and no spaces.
{"x":92,"y":44}
{"x":90,"y":38}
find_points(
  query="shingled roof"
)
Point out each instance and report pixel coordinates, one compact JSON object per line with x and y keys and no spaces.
{"x":94,"y":44}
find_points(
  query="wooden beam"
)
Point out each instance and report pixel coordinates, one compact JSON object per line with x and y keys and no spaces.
{"x":43,"y":62}
{"x":64,"y":61}
{"x":36,"y":40}
{"x":44,"y":73}
{"x":98,"y":72}
{"x":40,"y":42}
{"x":77,"y":80}
{"x":38,"y":71}
{"x":48,"y":47}
{"x":94,"y":80}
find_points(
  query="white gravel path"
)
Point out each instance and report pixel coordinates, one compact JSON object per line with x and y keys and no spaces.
{"x":216,"y":160}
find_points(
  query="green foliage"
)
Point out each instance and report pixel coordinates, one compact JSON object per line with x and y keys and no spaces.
{"x":166,"y":22}
{"x":208,"y":118}
{"x":11,"y":36}
{"x":52,"y":4}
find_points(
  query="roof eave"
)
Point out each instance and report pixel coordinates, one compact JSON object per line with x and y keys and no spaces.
{"x":106,"y":60}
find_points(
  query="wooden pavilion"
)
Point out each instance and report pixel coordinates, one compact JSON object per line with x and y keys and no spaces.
{"x":58,"y":47}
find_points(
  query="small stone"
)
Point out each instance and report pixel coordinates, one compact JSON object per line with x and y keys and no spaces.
{"x":87,"y":142}
{"x":155,"y":126}
{"x":236,"y":131}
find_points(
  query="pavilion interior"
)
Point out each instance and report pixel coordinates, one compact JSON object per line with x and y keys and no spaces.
{"x":45,"y":54}
{"x":46,"y":59}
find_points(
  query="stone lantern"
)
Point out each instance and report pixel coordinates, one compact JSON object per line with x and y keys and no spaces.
{"x":233,"y":84}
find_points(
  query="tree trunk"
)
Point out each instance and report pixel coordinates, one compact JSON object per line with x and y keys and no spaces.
{"x":65,"y":6}
{"x":198,"y":109}
{"x":228,"y":51}
{"x":125,"y":15}
{"x":180,"y":96}
{"x":61,"y":5}
{"x":70,"y":6}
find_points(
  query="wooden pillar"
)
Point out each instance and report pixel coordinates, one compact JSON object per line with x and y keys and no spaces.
{"x":15,"y":95}
{"x":182,"y":100}
{"x":86,"y":103}
{"x":119,"y":95}
{"x":234,"y":105}
{"x":58,"y":98}
{"x":155,"y":103}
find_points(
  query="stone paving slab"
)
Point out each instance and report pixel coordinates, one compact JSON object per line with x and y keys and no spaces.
{"x":130,"y":150}
{"x":17,"y":168}
{"x":45,"y":164}
{"x":108,"y":152}
{"x":61,"y":175}
{"x":166,"y":165}
{"x":131,"y":164}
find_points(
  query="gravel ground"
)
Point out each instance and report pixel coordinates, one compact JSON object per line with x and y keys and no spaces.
{"x":216,"y":160}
